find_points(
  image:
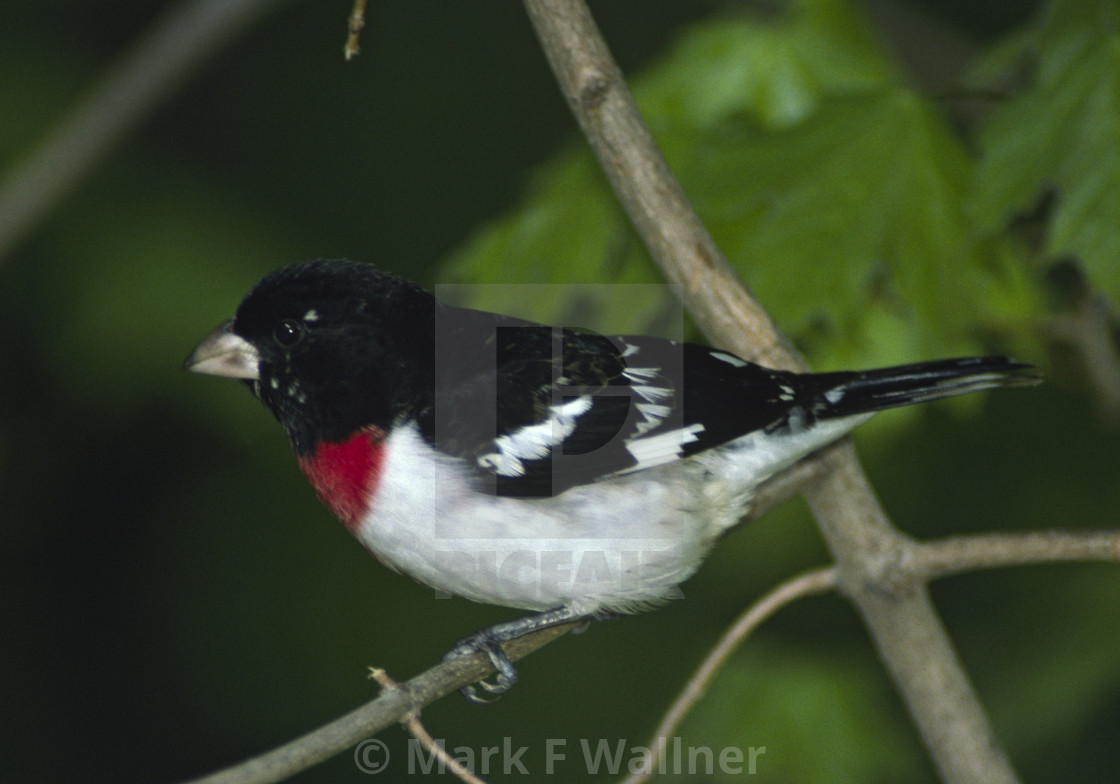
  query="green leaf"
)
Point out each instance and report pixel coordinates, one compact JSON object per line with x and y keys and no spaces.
{"x":773,"y":69}
{"x":1063,"y":133}
{"x":852,"y":232}
{"x":570,"y":231}
{"x":836,"y":191}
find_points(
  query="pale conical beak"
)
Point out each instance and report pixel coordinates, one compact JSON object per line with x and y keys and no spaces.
{"x":222,"y":353}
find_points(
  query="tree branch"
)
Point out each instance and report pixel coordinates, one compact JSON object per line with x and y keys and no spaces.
{"x":354,"y":25}
{"x":391,"y":707}
{"x":900,"y":617}
{"x":641,"y":179}
{"x":1087,"y":328}
{"x":909,"y":636}
{"x":808,"y":584}
{"x":931,"y":560}
{"x":411,"y":722}
{"x":881,"y":571}
{"x":396,"y":704}
{"x":960,"y":554}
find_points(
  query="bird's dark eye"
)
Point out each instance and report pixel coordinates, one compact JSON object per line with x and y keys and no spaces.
{"x":288,"y":332}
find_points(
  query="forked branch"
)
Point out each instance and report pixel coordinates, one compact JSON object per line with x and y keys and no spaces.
{"x":900,"y":616}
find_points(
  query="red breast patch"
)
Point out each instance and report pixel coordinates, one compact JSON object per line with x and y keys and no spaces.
{"x":345,"y":475}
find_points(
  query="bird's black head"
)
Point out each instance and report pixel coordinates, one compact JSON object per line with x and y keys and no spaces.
{"x":329,"y":347}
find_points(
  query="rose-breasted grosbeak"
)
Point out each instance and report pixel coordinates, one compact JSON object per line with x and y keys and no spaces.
{"x":529,"y":466}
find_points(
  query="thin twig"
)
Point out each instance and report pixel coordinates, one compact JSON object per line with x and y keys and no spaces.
{"x":808,"y":584}
{"x":1088,"y":329}
{"x":354,"y":27}
{"x":143,"y":77}
{"x":931,"y":560}
{"x":960,"y":554}
{"x":909,"y":636}
{"x":387,"y":709}
{"x":416,"y":728}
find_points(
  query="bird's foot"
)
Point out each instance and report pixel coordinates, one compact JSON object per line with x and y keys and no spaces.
{"x":490,"y":640}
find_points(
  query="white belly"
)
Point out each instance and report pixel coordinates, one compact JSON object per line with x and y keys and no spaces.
{"x":617,"y":545}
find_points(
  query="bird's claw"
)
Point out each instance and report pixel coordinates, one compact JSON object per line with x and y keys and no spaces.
{"x":506,"y":673}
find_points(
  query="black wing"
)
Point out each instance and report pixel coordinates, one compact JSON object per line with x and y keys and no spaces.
{"x":537,"y":410}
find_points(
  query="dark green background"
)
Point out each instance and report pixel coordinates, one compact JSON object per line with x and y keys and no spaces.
{"x":174,"y":599}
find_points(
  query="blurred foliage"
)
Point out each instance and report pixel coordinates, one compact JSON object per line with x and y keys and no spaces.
{"x":1059,"y":132}
{"x":838,"y":190}
{"x":174,"y":598}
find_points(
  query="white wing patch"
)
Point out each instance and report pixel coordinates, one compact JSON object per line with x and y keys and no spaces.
{"x":653,"y":412}
{"x":730,"y":359}
{"x":534,"y":442}
{"x":662,"y":448}
{"x":652,"y":416}
{"x":639,"y":374}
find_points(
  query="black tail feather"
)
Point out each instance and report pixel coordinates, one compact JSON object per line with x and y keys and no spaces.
{"x":844,"y":394}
